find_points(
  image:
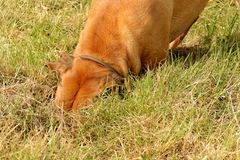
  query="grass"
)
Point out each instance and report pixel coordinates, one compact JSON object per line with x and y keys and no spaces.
{"x":187,"y":109}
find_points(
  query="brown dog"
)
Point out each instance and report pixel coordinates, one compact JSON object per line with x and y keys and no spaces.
{"x":119,"y":36}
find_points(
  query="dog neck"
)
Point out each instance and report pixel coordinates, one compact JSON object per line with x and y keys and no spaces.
{"x":116,"y":75}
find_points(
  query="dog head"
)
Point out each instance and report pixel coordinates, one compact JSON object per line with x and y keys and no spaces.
{"x":80,"y":81}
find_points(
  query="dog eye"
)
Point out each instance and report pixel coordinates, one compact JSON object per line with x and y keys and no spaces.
{"x":106,"y":92}
{"x":119,"y":90}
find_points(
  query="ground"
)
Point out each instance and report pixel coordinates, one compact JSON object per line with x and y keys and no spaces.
{"x":187,"y":109}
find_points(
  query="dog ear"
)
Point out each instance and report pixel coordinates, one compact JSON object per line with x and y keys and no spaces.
{"x":58,"y":67}
{"x":62,"y":65}
{"x":65,"y":58}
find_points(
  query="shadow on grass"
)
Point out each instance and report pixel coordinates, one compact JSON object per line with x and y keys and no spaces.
{"x":194,"y":53}
{"x":188,"y":55}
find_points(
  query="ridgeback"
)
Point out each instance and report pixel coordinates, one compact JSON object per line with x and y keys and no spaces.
{"x":121,"y":36}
